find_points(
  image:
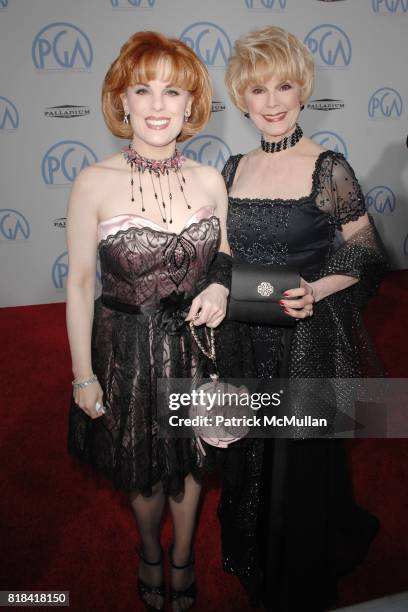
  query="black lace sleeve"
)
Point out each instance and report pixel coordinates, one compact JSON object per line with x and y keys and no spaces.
{"x":220,"y":270}
{"x":339,"y":189}
{"x":228,"y":171}
{"x":361,"y":255}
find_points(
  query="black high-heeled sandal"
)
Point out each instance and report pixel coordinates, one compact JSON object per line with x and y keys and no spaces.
{"x":191,"y":591}
{"x":145,"y":589}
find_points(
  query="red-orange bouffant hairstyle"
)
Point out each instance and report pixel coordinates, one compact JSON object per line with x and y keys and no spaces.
{"x":137,"y":63}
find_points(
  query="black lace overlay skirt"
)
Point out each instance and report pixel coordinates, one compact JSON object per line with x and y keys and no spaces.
{"x":129,"y":353}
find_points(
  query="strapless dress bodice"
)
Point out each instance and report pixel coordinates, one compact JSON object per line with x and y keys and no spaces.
{"x":141,"y":262}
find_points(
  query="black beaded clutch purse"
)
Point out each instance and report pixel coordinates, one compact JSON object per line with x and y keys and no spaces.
{"x":256,"y":290}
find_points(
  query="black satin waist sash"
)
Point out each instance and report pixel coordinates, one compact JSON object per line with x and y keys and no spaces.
{"x":169,"y":315}
{"x":135,"y":309}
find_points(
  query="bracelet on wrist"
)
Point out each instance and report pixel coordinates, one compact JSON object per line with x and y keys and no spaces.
{"x":84,"y":383}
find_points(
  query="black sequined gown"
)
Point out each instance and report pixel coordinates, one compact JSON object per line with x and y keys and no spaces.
{"x":149,"y":277}
{"x":289,"y":523}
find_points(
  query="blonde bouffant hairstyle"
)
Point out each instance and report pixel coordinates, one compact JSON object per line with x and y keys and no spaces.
{"x":269,"y":51}
{"x":138,"y":62}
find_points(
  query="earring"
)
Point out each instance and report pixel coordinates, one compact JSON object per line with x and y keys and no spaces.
{"x":186,"y":116}
{"x":302,"y":106}
{"x":246,"y":115}
{"x":126,"y":117}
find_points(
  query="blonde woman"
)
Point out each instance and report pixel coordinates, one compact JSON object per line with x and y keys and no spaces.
{"x":290,"y":526}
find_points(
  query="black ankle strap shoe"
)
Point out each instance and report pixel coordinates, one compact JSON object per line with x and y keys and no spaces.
{"x":146,"y":590}
{"x":191,"y":591}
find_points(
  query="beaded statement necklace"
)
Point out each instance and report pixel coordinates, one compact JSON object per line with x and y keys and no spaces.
{"x":285,"y":143}
{"x":157,"y":169}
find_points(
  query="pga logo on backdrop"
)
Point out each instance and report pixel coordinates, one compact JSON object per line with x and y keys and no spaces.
{"x":277,"y":5}
{"x":9,"y":117}
{"x":330,"y":140}
{"x":60,"y":268}
{"x":390,"y":7}
{"x":209,"y":42}
{"x":133,"y":3}
{"x":330,"y":46}
{"x":385,"y":103}
{"x":208,"y":149}
{"x":60,"y":271}
{"x":13,"y":225}
{"x":381,"y":200}
{"x":62,"y":46}
{"x":63,"y":162}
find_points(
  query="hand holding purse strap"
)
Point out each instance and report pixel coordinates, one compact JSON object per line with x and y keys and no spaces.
{"x":256,"y":290}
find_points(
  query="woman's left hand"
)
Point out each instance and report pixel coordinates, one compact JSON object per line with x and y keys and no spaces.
{"x":210,"y":306}
{"x":298,"y":303}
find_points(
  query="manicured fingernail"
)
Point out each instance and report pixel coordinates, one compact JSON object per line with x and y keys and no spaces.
{"x":285,"y":293}
{"x":281,"y":302}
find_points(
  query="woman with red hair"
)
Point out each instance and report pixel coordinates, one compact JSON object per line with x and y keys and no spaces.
{"x":157,"y":221}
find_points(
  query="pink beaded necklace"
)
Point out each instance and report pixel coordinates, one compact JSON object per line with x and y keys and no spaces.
{"x":156,"y":168}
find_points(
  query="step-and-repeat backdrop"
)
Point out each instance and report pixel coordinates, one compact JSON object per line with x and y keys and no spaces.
{"x":54,"y":55}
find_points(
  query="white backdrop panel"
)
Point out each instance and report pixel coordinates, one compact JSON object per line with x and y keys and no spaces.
{"x":55,"y":54}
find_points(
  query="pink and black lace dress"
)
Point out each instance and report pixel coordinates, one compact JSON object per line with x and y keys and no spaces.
{"x":149,"y":277}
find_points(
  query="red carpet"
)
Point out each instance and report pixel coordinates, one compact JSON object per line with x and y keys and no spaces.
{"x":62,"y":530}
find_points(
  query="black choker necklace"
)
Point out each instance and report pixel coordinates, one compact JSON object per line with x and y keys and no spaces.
{"x":285,"y":143}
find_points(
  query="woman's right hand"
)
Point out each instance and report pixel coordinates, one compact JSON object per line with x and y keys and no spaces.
{"x":87,"y":399}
